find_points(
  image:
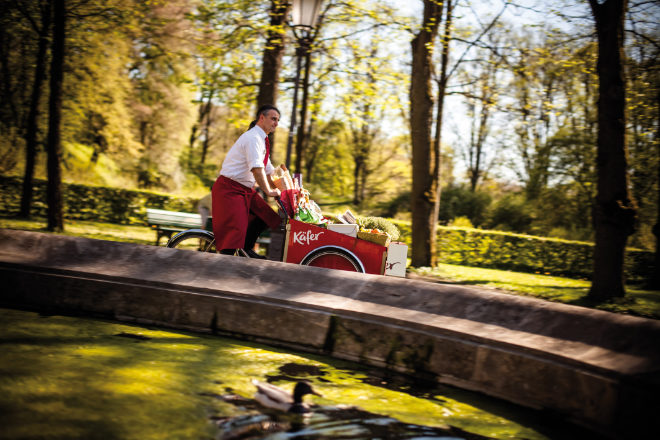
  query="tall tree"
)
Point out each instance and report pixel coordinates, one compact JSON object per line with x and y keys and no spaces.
{"x":655,"y":281}
{"x":272,"y":57}
{"x":42,"y":31}
{"x":537,"y":72}
{"x":442,"y":80}
{"x":643,"y":120}
{"x":305,"y":50}
{"x":481,"y":96}
{"x":301,"y":135}
{"x":161,"y":75}
{"x":232,"y":39}
{"x":365,"y":106}
{"x":17,"y":54}
{"x":54,"y":143}
{"x":614,"y":210}
{"x":424,"y":196}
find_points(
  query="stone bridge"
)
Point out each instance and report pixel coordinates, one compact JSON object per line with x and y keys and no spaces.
{"x":598,"y":369}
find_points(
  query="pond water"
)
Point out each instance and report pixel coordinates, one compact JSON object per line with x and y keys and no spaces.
{"x":67,"y":377}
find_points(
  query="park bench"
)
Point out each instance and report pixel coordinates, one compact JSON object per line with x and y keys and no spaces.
{"x":167,"y":223}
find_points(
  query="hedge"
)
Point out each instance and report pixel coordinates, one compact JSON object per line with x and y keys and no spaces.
{"x":96,"y":203}
{"x":463,"y":246}
{"x":525,"y":253}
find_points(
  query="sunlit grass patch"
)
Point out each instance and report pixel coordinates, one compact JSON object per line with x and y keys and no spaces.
{"x":553,"y":288}
{"x":87,"y":229}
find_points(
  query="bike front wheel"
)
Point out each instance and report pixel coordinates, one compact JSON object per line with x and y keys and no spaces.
{"x":193,"y":240}
{"x":331,"y":257}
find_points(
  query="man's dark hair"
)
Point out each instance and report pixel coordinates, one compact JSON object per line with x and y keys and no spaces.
{"x":262,"y":111}
{"x":265,"y":108}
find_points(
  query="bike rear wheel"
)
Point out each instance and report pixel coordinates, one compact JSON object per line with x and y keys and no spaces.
{"x":193,"y":240}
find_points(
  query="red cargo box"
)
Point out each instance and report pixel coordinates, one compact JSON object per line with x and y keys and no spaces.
{"x":312,"y":245}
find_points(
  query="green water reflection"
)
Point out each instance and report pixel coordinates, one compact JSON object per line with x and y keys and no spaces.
{"x":65,"y":377}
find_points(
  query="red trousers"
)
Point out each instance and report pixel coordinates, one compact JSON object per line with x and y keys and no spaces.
{"x":234,"y":207}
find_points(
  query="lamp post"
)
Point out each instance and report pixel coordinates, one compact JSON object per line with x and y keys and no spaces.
{"x":304,"y":14}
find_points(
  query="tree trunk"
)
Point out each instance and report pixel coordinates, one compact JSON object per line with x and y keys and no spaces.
{"x":300,"y":137}
{"x":655,"y":279}
{"x":614,"y":210}
{"x":54,"y":146}
{"x":310,"y":155}
{"x":8,"y":93}
{"x":31,"y":133}
{"x":272,"y":59}
{"x":442,"y":89}
{"x":192,"y":139}
{"x":424,"y":185}
{"x":206,"y":122}
{"x":356,"y":182}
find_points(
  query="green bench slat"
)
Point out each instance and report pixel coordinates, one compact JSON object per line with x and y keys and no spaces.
{"x":168,"y":222}
{"x":171,"y":218}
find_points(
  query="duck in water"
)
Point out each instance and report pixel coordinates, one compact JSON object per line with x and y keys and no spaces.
{"x":274,"y":397}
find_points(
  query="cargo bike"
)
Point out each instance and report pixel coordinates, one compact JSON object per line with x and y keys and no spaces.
{"x":331,"y":247}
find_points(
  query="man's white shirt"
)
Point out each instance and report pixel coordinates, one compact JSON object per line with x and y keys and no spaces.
{"x":247,"y":152}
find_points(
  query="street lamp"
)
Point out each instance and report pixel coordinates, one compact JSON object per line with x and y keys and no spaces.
{"x":304,"y":14}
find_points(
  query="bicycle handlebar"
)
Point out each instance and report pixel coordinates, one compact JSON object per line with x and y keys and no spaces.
{"x":281,"y":205}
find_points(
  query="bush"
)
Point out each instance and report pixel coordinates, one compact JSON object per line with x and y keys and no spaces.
{"x":462,"y":222}
{"x":524,"y":253}
{"x":511,"y":213}
{"x":391,"y":208}
{"x":459,"y":201}
{"x":96,"y":203}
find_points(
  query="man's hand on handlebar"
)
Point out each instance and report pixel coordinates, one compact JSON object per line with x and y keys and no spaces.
{"x":274,"y":193}
{"x":265,"y":182}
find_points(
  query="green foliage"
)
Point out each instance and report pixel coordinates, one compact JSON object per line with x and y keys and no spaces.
{"x":511,"y":213}
{"x":328,"y":165}
{"x":524,"y":253}
{"x":11,"y":144}
{"x":405,"y":230}
{"x":461,"y":222}
{"x":98,"y":203}
{"x":460,"y":201}
{"x":103,"y":170}
{"x":392,"y":207}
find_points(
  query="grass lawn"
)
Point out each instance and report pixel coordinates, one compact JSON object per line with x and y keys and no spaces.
{"x":81,"y":228}
{"x":638,"y":301}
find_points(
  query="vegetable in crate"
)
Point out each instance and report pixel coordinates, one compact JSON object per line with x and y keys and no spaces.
{"x":374,"y":236}
{"x":380,"y":223}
